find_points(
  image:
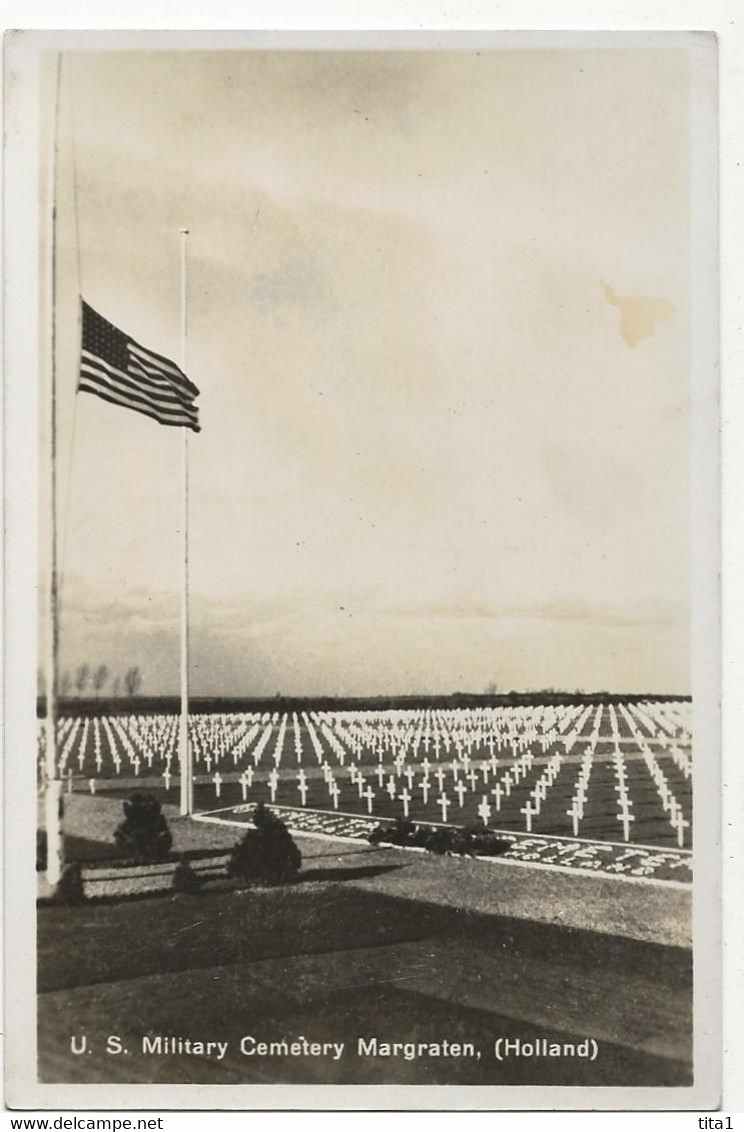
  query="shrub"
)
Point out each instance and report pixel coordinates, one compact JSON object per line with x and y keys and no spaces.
{"x":70,"y":888}
{"x":185,"y":880}
{"x":41,"y":850}
{"x":266,"y":854}
{"x":144,"y":833}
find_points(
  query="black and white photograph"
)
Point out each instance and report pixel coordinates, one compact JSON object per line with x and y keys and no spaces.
{"x":376,"y":489}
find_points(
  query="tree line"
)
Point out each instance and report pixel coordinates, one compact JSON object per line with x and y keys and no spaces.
{"x":97,"y":678}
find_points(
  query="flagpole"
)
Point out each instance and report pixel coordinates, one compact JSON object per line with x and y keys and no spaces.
{"x":184,"y":746}
{"x":53,"y":786}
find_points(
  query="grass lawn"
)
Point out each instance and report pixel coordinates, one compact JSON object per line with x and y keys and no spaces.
{"x":334,"y":962}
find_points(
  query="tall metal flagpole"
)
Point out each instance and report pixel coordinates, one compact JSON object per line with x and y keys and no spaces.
{"x":184,"y":746}
{"x":53,"y":786}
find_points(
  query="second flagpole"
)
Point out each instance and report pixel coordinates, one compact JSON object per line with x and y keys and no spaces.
{"x":184,"y":746}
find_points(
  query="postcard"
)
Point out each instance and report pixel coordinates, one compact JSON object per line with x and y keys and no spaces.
{"x":362,"y":528}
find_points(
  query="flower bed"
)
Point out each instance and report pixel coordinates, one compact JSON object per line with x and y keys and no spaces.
{"x":467,"y":842}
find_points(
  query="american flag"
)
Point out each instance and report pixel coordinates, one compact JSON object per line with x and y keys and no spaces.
{"x":118,"y":369}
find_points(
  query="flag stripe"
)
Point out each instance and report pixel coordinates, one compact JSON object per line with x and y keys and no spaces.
{"x":94,"y":384}
{"x":115,"y":379}
{"x":115,"y":398}
{"x":164,"y":365}
{"x":155,"y":377}
{"x":121,"y":371}
{"x":137,"y":378}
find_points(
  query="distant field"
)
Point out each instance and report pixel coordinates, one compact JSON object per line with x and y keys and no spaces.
{"x":617,"y":772}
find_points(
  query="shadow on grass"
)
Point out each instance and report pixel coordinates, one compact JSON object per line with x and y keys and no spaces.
{"x":359,"y":872}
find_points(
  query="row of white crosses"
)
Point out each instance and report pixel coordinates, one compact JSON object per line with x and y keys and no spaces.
{"x":463,"y":743}
{"x":438,"y":733}
{"x":581,"y":790}
{"x":214,"y":737}
{"x":539,"y":792}
{"x":621,"y":784}
{"x":576,"y":813}
{"x":669,"y":733}
{"x":621,"y":788}
{"x":386,"y":777}
{"x":669,"y":803}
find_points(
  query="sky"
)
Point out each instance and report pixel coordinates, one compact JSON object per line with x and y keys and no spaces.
{"x":438,"y":314}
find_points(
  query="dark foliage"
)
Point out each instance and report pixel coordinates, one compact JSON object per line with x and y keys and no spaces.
{"x":471,"y":841}
{"x":266,"y":854}
{"x":120,"y":706}
{"x":185,"y":880}
{"x":70,"y":888}
{"x":41,"y":850}
{"x":144,"y":833}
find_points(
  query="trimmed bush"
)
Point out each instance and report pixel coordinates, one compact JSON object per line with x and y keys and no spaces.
{"x":70,"y":888}
{"x":266,"y":854}
{"x":472,"y":841}
{"x":185,"y":880}
{"x":144,"y":833}
{"x":41,"y":850}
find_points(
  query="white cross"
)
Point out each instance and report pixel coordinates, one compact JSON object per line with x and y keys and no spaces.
{"x":302,"y":787}
{"x":244,"y":785}
{"x":409,"y":775}
{"x":472,"y":779}
{"x":528,"y":814}
{"x":507,"y":782}
{"x":335,"y":793}
{"x":81,"y":760}
{"x":369,"y":795}
{"x":439,"y":775}
{"x":626,"y":818}
{"x":217,"y":779}
{"x":380,"y":772}
{"x":137,"y":765}
{"x":484,"y":810}
{"x":92,"y":785}
{"x":574,"y":814}
{"x":426,"y":767}
{"x":405,"y":798}
{"x":497,"y":792}
{"x":460,"y":790}
{"x":99,"y":761}
{"x":167,"y":778}
{"x":680,"y":825}
{"x":391,"y":788}
{"x":425,"y":790}
{"x":360,"y":783}
{"x":444,"y":804}
{"x":208,"y":761}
